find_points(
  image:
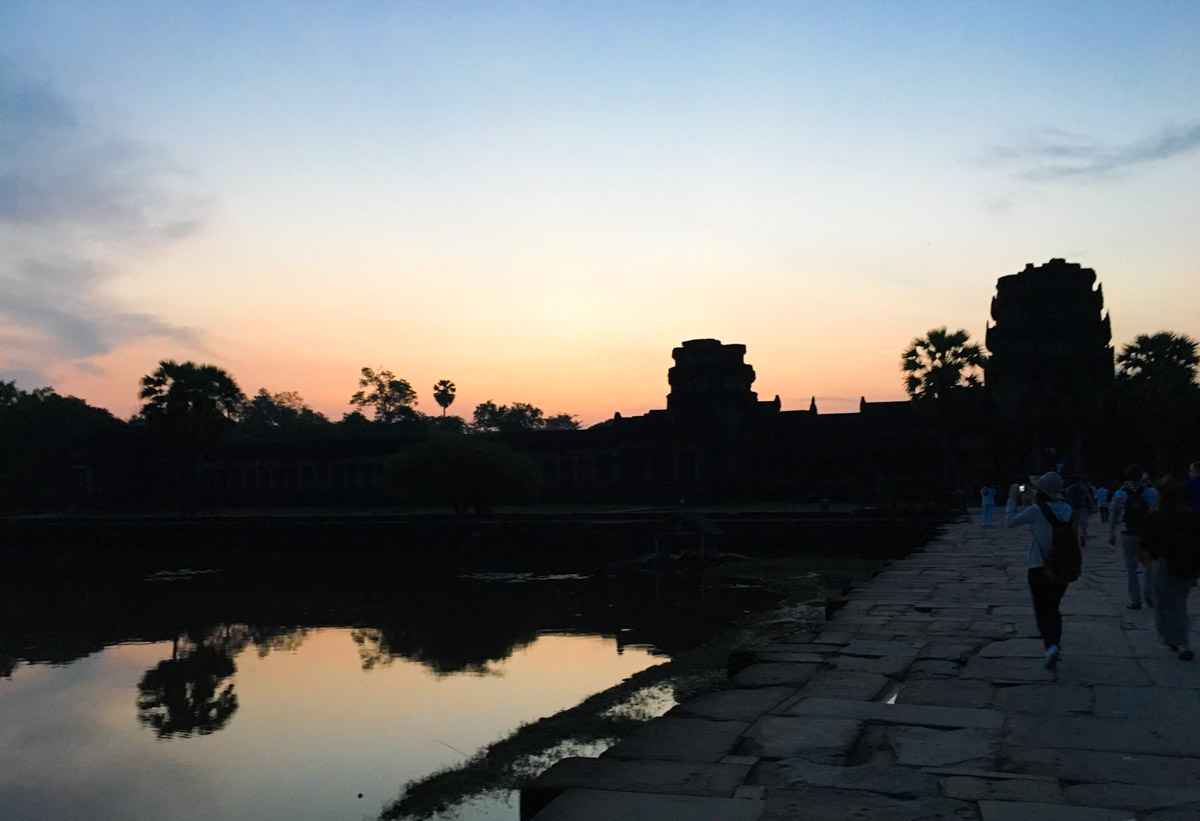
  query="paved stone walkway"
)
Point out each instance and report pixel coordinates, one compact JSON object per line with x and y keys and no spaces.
{"x":925,"y":697}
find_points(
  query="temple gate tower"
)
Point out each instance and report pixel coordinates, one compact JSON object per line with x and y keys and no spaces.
{"x":708,"y":374}
{"x":1051,"y":364}
{"x":1050,"y":340}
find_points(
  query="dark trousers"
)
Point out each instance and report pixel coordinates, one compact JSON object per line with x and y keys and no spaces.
{"x":1046,"y":596}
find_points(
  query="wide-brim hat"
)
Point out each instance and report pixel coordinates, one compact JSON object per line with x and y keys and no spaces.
{"x":1049,"y":483}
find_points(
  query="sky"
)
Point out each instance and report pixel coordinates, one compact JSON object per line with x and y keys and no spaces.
{"x":540,"y":200}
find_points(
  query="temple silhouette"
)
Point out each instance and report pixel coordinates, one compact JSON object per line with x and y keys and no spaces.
{"x":1043,"y":403}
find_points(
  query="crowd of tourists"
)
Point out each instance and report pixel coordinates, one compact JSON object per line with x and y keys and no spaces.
{"x":1156,"y":524}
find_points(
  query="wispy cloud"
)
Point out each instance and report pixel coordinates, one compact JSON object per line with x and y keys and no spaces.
{"x":1054,"y":154}
{"x":74,"y":202}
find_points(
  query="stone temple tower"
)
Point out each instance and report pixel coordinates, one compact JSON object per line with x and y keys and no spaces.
{"x":708,"y":374}
{"x":1050,"y":344}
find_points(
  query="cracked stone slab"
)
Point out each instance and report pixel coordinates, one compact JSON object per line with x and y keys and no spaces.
{"x":974,"y":788}
{"x":605,"y":805}
{"x":774,"y":674}
{"x":1013,"y":648}
{"x":1001,"y":670}
{"x":914,"y":714}
{"x":680,"y":739}
{"x":821,"y":740}
{"x":1029,"y":811}
{"x":681,"y":778}
{"x":1044,"y":698}
{"x":897,"y":782}
{"x":1151,"y":736}
{"x":822,"y":804}
{"x":955,"y":693}
{"x":1091,"y":765}
{"x":1140,"y":797}
{"x":924,"y":747}
{"x":734,"y":705}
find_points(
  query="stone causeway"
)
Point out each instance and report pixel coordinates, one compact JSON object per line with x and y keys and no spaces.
{"x":924,"y":697}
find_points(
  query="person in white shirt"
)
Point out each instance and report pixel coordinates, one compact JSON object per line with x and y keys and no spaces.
{"x":1046,"y":594}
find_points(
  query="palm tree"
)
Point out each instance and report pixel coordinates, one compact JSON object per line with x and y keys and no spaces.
{"x":1157,"y":375}
{"x":443,"y":394}
{"x":1164,"y":363}
{"x":940,"y":363}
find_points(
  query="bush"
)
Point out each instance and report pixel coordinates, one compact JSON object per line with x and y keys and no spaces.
{"x":463,"y":471}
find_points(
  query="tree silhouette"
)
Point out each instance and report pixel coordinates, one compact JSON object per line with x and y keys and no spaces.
{"x":443,"y":394}
{"x":1163,"y":363}
{"x":940,"y":363}
{"x":562,"y":421}
{"x":190,"y":397}
{"x":463,"y":472}
{"x":389,"y":398}
{"x":182,"y":696}
{"x":280,"y":411}
{"x":194,"y":406}
{"x":1156,"y":379}
{"x":520,"y":416}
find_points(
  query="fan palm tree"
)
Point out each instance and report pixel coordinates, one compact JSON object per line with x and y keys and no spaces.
{"x":443,"y":394}
{"x":941,"y":362}
{"x":1164,"y":363}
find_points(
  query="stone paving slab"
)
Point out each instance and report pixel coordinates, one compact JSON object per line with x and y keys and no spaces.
{"x":607,"y":805}
{"x":773,"y":674}
{"x":734,"y":705}
{"x":820,"y":804}
{"x":1135,"y":796}
{"x":845,"y":684}
{"x":1098,"y":766}
{"x":921,"y":715}
{"x":821,"y":740}
{"x":1028,"y":811}
{"x":923,"y":747}
{"x":1158,"y":736}
{"x":976,"y":788}
{"x":954,"y":693}
{"x":680,"y":739}
{"x":893,"y":781}
{"x":680,"y":778}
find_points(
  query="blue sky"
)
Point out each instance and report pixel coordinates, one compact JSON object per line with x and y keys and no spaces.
{"x":539,"y":200}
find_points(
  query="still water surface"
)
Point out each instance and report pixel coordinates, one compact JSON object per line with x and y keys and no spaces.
{"x":134,"y":699}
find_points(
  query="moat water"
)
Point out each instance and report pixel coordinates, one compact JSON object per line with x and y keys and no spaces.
{"x":268,"y":692}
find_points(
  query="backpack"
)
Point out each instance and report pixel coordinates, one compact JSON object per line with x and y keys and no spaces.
{"x":1078,"y":496}
{"x":1064,"y":562}
{"x":1136,"y":508}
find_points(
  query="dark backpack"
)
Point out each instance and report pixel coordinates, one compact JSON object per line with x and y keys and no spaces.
{"x":1136,"y":508}
{"x":1064,"y":563}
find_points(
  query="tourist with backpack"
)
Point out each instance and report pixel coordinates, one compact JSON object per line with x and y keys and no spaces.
{"x":1102,"y":504}
{"x":1128,"y":510}
{"x":1171,"y":538}
{"x":1053,"y":559}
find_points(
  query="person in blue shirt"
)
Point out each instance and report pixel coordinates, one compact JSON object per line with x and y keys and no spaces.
{"x":1129,"y":516}
{"x":987,"y":497}
{"x":1046,"y":594}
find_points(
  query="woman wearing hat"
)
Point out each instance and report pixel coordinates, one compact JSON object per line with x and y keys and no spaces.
{"x":1046,"y":594}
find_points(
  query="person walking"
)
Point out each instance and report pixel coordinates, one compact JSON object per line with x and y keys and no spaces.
{"x":1079,"y":497}
{"x":1128,"y":510}
{"x":987,"y":497}
{"x":1191,"y":488}
{"x":1046,"y":594}
{"x":1172,"y":541}
{"x":1102,"y":503}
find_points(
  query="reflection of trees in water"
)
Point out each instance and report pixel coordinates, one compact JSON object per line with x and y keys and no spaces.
{"x":446,"y":650}
{"x":182,"y":696}
{"x":187,"y":694}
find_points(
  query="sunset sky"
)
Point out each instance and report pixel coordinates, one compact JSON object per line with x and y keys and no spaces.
{"x":539,"y":200}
